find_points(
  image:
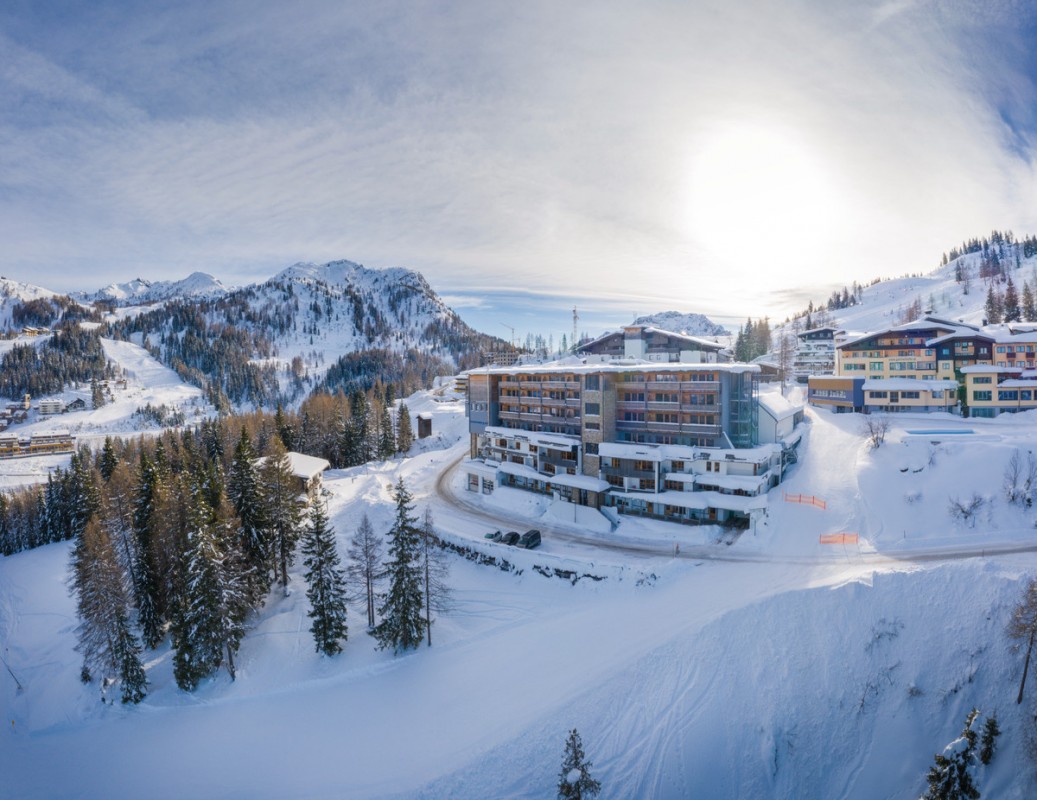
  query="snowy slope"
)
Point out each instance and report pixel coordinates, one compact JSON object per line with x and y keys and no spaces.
{"x":14,"y":292}
{"x":801,"y":671}
{"x":883,"y":303}
{"x":691,"y":324}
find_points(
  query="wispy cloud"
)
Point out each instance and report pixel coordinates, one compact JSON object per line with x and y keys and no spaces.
{"x":534,"y":146}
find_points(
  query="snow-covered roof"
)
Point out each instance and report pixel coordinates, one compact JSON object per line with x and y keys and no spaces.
{"x":959,"y":334}
{"x":908,"y":384}
{"x":699,"y":500}
{"x":652,"y":329}
{"x":551,"y":440}
{"x":481,"y":467}
{"x":579,"y":482}
{"x":1018,"y":384}
{"x":986,"y":369}
{"x":630,"y":365}
{"x":752,"y":483}
{"x":304,"y":466}
{"x":777,"y":406}
{"x":677,"y":452}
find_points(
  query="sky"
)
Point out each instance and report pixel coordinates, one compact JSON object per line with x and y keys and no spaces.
{"x":732,"y":158}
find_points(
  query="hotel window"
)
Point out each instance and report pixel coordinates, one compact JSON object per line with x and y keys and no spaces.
{"x":875,"y":366}
{"x":592,"y":382}
{"x":1026,"y":394}
{"x":1007,"y":394}
{"x":982,"y":379}
{"x":592,"y":409}
{"x":591,"y":448}
{"x":981,"y":396}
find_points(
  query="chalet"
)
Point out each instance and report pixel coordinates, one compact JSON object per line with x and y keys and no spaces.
{"x":79,"y":404}
{"x":307,"y":471}
{"x":649,"y":343}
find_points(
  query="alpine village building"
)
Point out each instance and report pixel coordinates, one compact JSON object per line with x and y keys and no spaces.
{"x":933,"y":364}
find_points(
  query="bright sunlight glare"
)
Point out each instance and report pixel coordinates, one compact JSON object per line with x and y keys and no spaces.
{"x":761,"y":191}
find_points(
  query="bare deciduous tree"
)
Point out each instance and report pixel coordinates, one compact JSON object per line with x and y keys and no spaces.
{"x":966,"y":510}
{"x":365,"y":565}
{"x":436,"y":569}
{"x":1023,"y":626}
{"x":875,"y":428}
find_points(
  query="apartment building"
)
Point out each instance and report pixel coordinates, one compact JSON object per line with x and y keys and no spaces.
{"x":609,"y":434}
{"x":991,"y":390}
{"x":815,"y":353}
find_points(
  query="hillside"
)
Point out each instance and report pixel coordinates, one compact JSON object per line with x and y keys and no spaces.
{"x":678,"y":322}
{"x":334,"y":325}
{"x":956,"y":290}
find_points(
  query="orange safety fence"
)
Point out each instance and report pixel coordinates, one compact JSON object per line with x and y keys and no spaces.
{"x":804,"y":499}
{"x":838,"y":538}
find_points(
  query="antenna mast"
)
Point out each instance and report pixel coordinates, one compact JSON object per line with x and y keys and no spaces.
{"x":576,"y":319}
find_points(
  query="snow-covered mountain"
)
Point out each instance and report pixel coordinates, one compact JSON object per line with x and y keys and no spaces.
{"x":26,"y":304}
{"x":142,"y":291}
{"x":310,"y":325}
{"x":692,"y":324}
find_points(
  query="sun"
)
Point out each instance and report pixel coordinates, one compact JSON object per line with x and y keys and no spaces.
{"x":760,"y":190}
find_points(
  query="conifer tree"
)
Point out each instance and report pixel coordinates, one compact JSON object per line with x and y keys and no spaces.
{"x":104,"y":637}
{"x":404,"y":430}
{"x":402,"y":626}
{"x":1029,"y":308}
{"x":988,"y":742}
{"x":994,"y":306}
{"x":949,"y":777}
{"x":574,"y":780}
{"x":245,"y":493}
{"x":109,"y":461}
{"x":365,"y":557}
{"x":282,"y":509}
{"x":146,"y":585}
{"x":214,"y":603}
{"x":1012,"y":312}
{"x":386,"y":434}
{"x":326,"y":589}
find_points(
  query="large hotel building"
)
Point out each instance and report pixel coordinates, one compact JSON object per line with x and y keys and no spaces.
{"x":667,"y":438}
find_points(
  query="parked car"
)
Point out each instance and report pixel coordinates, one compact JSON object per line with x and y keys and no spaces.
{"x":493,"y":536}
{"x":511,"y":537}
{"x":529,"y":539}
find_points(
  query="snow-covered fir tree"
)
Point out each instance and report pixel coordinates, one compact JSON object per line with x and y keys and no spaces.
{"x":574,"y":779}
{"x":386,"y":434}
{"x":282,"y":508}
{"x":245,"y":493}
{"x":404,"y":429}
{"x":403,"y":625}
{"x":365,"y":565}
{"x":145,"y":571}
{"x":325,"y":583}
{"x":949,"y":778}
{"x":104,"y":637}
{"x":197,"y":634}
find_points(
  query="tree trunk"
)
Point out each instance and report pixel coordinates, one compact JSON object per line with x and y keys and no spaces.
{"x":1026,"y":666}
{"x":428,"y":598}
{"x":230,"y":662}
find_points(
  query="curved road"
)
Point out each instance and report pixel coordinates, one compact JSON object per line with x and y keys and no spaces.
{"x":642,"y":549}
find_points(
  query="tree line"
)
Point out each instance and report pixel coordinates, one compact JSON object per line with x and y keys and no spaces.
{"x":185,"y":536}
{"x":71,"y":355}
